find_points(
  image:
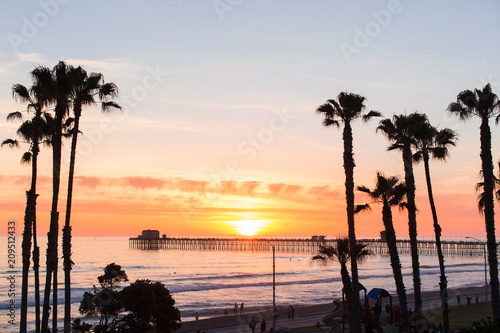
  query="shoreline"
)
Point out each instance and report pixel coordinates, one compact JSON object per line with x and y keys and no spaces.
{"x":308,"y":315}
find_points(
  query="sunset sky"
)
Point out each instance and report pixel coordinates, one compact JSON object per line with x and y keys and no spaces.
{"x":219,"y":135}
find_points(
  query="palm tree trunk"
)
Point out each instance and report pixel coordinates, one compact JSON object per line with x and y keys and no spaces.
{"x":354,"y":316}
{"x":36,"y":270}
{"x":26,"y":253}
{"x":36,"y":249}
{"x":346,"y":282}
{"x":396,"y":266}
{"x":67,"y":227}
{"x":412,"y":226}
{"x":489,"y":215}
{"x":28,"y":222}
{"x":52,"y":236}
{"x":443,"y":284}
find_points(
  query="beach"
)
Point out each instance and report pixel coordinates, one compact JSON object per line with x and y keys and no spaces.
{"x":306,"y":316}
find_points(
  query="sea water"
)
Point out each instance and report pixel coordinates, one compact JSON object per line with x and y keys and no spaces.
{"x":209,"y":282}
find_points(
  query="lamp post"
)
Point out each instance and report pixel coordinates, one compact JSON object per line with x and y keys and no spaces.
{"x":485,"y":268}
{"x":274,"y":285}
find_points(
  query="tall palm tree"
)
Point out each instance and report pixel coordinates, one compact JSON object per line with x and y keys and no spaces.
{"x":434,"y":143}
{"x":56,"y":83}
{"x":341,"y":253}
{"x":400,"y":132}
{"x":484,"y":104}
{"x":390,"y":192}
{"x":33,"y":132}
{"x":347,"y":108}
{"x":86,"y":88}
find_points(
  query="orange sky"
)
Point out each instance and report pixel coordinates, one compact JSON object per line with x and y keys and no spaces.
{"x":180,"y":207}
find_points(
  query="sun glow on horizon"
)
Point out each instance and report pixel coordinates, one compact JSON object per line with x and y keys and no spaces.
{"x":248,"y":227}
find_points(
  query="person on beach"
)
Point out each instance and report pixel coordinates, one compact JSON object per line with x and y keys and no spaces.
{"x":263,"y":325}
{"x":235,"y":308}
{"x":293,"y":311}
{"x":458,"y":300}
{"x":242,"y":310}
{"x":196,"y":315}
{"x":468,"y":300}
{"x":289,"y":312}
{"x":477,"y":299}
{"x":252,"y":325}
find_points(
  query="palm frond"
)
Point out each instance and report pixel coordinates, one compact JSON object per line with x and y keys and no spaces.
{"x":108,"y":90}
{"x":26,"y":158}
{"x":20,"y":92}
{"x":110,"y":106}
{"x":14,"y":116}
{"x":11,"y":143}
{"x":362,"y":208}
{"x":371,"y":115}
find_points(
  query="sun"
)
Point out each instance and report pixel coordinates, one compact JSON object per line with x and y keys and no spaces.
{"x":248,"y":227}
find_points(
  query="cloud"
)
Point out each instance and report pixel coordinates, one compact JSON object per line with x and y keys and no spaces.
{"x":275,"y":188}
{"x":284,"y":189}
{"x":144,"y":182}
{"x":324,"y":192}
{"x":188,"y":185}
{"x":91,"y":182}
{"x":248,"y":187}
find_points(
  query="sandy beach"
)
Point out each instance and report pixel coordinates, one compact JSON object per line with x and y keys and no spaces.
{"x":310,"y":315}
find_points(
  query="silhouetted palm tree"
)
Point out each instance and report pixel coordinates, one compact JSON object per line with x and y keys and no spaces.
{"x":348,"y":108}
{"x":433,"y":143}
{"x":484,"y":104}
{"x":390,"y":192}
{"x":56,"y":83}
{"x":341,"y":253}
{"x":33,"y":132}
{"x":86,"y":88}
{"x":400,"y":131}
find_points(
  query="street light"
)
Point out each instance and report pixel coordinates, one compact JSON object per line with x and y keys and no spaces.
{"x":274,"y":285}
{"x":485,"y":274}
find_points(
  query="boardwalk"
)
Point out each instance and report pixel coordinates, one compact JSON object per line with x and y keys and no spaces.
{"x":450,"y":248}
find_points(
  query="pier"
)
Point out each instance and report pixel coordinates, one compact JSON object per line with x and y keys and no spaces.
{"x":376,"y":246}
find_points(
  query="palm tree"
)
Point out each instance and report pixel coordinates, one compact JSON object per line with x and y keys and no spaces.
{"x":348,"y":108}
{"x":33,"y":132}
{"x":484,"y":104}
{"x":433,"y":143}
{"x":400,"y":131}
{"x":390,"y":192}
{"x":56,"y":83}
{"x":341,"y":253}
{"x":86,"y":87}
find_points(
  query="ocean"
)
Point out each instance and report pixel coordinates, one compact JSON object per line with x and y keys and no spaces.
{"x":208,"y":282}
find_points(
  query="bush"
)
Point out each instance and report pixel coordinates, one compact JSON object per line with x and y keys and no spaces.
{"x":144,"y":306}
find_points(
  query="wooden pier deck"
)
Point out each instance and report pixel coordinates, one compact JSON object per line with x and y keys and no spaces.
{"x":450,"y":248}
